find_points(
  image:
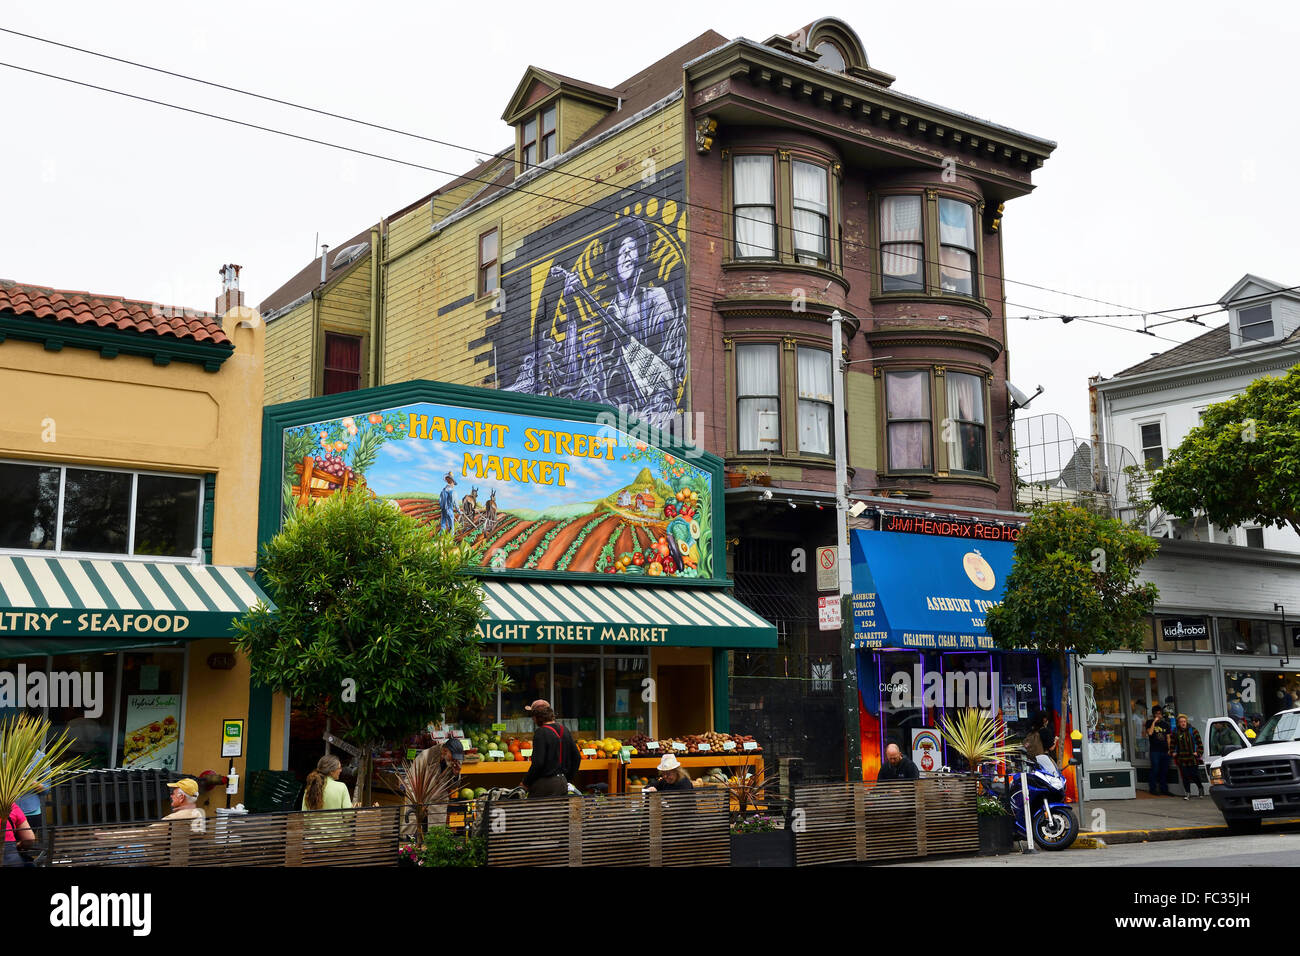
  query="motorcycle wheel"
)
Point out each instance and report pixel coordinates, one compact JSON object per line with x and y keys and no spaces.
{"x":1055,"y":831}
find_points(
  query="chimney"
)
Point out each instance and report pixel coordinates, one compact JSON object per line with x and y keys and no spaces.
{"x":230,"y":295}
{"x":324,"y":265}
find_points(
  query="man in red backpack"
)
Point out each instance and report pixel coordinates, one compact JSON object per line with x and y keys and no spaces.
{"x":556,"y":757}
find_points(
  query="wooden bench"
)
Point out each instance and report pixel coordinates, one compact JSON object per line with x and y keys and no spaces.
{"x":364,"y":836}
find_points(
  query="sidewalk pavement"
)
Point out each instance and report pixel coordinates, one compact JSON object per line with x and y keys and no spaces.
{"x":1150,"y":818}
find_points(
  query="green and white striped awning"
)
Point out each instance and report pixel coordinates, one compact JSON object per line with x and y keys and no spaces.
{"x":539,"y":612}
{"x":151,"y":600}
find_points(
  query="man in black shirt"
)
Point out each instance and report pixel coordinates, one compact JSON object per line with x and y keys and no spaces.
{"x":1157,"y":731}
{"x":556,"y":757}
{"x":896,"y":766}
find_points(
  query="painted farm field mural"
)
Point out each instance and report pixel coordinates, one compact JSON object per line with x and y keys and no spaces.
{"x":522,"y":493}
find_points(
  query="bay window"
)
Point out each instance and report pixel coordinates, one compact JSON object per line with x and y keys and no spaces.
{"x":815,"y":401}
{"x":956,"y":247}
{"x":811,"y":213}
{"x":902,"y":251}
{"x":907,"y":417}
{"x":965,"y":429}
{"x":754,"y":207}
{"x":758,"y":407}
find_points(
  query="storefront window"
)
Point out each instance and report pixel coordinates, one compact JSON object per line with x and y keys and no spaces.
{"x":900,"y":702}
{"x":577,"y":693}
{"x":148,"y":728}
{"x":530,"y":676}
{"x":1104,"y":715}
{"x":91,"y":737}
{"x":1021,"y":692}
{"x":31,"y":496}
{"x":626,"y":710}
{"x":1183,"y":634}
{"x":1240,"y":636}
{"x":1244,"y":688}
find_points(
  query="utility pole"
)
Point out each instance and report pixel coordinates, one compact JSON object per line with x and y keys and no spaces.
{"x":842,"y":559}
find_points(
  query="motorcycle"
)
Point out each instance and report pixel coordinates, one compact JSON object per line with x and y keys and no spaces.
{"x":1052,"y":820}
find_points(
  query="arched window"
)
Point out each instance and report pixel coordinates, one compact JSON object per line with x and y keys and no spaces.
{"x":829,"y":57}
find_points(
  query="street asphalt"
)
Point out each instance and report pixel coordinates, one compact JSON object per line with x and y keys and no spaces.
{"x":1267,"y":849}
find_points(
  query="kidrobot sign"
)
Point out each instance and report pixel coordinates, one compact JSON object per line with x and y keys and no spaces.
{"x":1184,"y":629}
{"x":522,"y":493}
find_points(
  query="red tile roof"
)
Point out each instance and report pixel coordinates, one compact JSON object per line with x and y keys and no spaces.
{"x":111,"y":312}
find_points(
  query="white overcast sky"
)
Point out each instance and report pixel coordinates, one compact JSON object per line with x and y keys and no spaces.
{"x":1174,"y":175}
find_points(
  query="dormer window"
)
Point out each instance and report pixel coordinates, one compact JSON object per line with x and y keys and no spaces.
{"x":538,"y":138}
{"x":829,"y":57}
{"x":1255,"y":324}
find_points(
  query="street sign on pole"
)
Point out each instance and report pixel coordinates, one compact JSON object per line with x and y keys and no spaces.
{"x":828,"y":612}
{"x":828,"y":569}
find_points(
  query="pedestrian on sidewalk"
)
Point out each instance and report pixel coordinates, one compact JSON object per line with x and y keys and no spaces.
{"x":556,"y":757}
{"x":17,"y":834}
{"x":1157,"y":734}
{"x":1188,"y":751}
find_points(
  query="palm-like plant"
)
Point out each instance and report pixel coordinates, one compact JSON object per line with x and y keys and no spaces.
{"x":425,"y":784}
{"x":21,"y":771}
{"x":974,"y":735}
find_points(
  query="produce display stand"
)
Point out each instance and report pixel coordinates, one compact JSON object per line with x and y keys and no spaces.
{"x":726,"y":759}
{"x":517,"y":768}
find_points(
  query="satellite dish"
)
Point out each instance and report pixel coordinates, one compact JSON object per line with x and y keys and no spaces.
{"x":1019,"y":399}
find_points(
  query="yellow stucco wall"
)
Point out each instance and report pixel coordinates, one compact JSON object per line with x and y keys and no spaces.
{"x":74,"y":407}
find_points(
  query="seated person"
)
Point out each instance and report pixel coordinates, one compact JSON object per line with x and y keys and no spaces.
{"x":896,"y":766}
{"x":672,"y":776}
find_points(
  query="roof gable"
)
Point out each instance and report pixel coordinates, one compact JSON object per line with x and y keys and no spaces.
{"x":537,"y":85}
{"x":1251,"y":286}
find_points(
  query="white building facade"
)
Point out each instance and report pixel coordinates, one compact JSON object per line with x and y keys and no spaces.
{"x":1227,"y":622}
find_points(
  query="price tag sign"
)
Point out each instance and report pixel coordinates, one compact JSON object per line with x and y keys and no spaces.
{"x":678,"y":745}
{"x":498,"y":727}
{"x":652,"y":745}
{"x":728,"y":745}
{"x":411,"y":753}
{"x":589,"y":751}
{"x":751,"y":745}
{"x":704,"y":747}
{"x":496,"y":754}
{"x":526,"y":754}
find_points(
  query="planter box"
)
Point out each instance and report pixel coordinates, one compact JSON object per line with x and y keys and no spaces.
{"x":995,"y":835}
{"x":763,"y":849}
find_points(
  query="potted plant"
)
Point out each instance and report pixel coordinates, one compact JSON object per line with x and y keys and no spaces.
{"x":976,"y":737}
{"x":996,"y":830}
{"x":22,"y":737}
{"x":759,"y":837}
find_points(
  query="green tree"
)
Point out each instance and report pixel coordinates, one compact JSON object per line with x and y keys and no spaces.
{"x":1242,"y":463}
{"x":376,"y":621}
{"x":1074,"y":588}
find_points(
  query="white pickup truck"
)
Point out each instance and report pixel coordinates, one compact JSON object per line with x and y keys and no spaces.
{"x":1254,"y":779}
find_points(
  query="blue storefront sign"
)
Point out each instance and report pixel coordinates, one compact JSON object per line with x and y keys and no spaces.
{"x":925,"y":592}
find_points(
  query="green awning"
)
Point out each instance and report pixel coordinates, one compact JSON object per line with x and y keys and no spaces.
{"x":536,"y":612}
{"x":100,"y":604}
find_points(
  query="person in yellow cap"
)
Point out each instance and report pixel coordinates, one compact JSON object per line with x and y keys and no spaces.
{"x":185,"y":804}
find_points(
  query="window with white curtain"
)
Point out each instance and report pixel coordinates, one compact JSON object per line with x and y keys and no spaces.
{"x":902,"y":251}
{"x":965,"y":429}
{"x":811,"y":213}
{"x":815,"y":401}
{"x":758,"y":409}
{"x":754,"y":207}
{"x":956,"y":247}
{"x":907,"y":415}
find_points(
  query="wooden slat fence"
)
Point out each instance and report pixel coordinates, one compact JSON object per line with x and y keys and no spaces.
{"x":672,"y":829}
{"x":896,"y":819}
{"x":363,"y":836}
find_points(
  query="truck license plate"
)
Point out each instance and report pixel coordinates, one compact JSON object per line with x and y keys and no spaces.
{"x":1265,"y":804}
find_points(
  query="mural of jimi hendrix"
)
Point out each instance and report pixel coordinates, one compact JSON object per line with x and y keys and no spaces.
{"x":611,"y":329}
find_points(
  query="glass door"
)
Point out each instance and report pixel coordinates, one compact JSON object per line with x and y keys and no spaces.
{"x":965,"y":680}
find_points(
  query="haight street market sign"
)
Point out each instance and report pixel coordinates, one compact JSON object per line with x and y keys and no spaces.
{"x":523,"y":493}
